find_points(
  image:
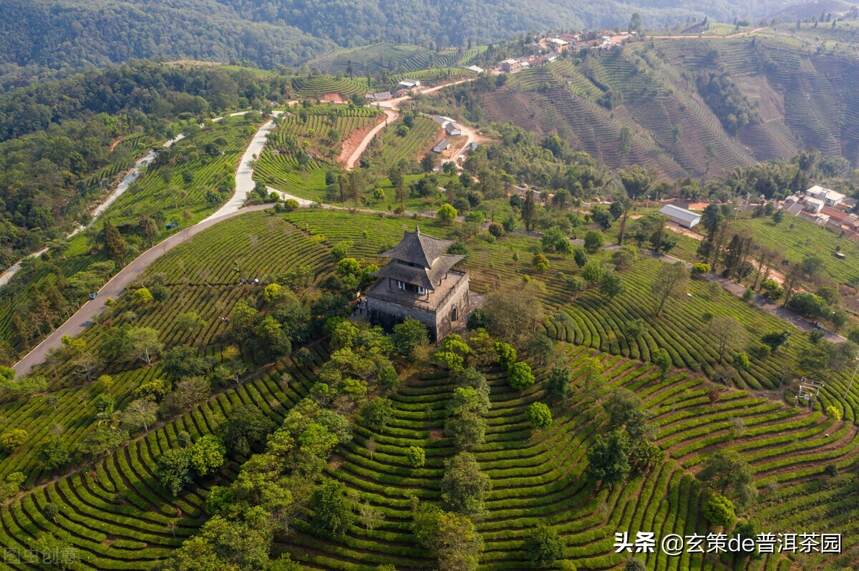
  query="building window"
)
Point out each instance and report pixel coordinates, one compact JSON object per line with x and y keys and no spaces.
{"x":421,"y":290}
{"x":454,"y":314}
{"x":401,"y":285}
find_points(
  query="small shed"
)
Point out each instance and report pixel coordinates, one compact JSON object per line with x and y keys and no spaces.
{"x":681,"y":216}
{"x":409,"y":84}
{"x":441,"y":146}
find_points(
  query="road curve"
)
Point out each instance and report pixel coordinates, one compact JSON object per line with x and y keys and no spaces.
{"x":390,"y":116}
{"x":81,"y":319}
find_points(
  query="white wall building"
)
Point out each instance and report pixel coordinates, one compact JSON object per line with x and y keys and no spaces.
{"x":681,"y":216}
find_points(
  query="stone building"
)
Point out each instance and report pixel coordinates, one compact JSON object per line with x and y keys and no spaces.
{"x":419,"y":282}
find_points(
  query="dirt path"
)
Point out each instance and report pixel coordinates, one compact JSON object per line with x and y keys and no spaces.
{"x":391,"y":108}
{"x":245,"y":172}
{"x":358,"y":149}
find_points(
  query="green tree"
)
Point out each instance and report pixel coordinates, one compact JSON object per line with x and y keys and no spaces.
{"x":544,"y":546}
{"x":114,"y":244}
{"x":224,"y":544}
{"x":206,"y":455}
{"x":416,"y":456}
{"x":464,"y":486}
{"x":593,"y":241}
{"x":608,"y":458}
{"x":332,"y":512}
{"x":446,"y":214}
{"x":245,"y":430}
{"x":144,"y":343}
{"x":174,"y":469}
{"x":670,"y":282}
{"x":662,"y":359}
{"x":719,"y":511}
{"x":529,"y":210}
{"x":408,"y":336}
{"x":726,"y":473}
{"x":12,"y":439}
{"x":520,"y":376}
{"x":539,"y":415}
{"x":140,"y":414}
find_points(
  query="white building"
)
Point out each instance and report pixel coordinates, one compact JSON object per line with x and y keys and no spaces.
{"x":409,"y":84}
{"x":681,"y":216}
{"x":828,"y":196}
{"x":814,"y":205}
{"x":476,"y":69}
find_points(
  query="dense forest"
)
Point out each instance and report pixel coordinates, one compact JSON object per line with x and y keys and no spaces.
{"x":39,"y":38}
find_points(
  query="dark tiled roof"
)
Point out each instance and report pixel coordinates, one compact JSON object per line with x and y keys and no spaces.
{"x":424,"y":277}
{"x":418,"y":249}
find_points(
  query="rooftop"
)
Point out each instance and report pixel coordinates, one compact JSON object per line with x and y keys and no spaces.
{"x":681,"y":213}
{"x":418,"y":249}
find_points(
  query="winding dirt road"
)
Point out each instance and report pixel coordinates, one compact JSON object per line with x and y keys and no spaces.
{"x":391,"y":108}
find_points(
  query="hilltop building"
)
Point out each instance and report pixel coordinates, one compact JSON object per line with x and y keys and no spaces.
{"x":419,"y":282}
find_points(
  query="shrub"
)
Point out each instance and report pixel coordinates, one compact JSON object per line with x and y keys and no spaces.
{"x":539,"y":415}
{"x":834,"y":412}
{"x":416,"y":456}
{"x":700,"y":269}
{"x":719,"y":511}
{"x":520,"y":376}
{"x":544,"y":546}
{"x":540,"y":262}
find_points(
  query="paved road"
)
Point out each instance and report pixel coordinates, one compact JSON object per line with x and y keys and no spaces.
{"x":245,"y":172}
{"x":83,"y":317}
{"x":130,"y":177}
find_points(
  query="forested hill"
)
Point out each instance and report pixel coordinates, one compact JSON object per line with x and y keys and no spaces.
{"x":44,"y":37}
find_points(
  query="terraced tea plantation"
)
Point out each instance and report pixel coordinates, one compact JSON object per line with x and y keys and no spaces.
{"x":395,"y":144}
{"x":537,"y":477}
{"x":115,"y":514}
{"x":306,"y":145}
{"x":186,"y":184}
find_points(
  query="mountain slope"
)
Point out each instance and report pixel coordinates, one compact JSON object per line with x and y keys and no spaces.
{"x":56,"y":35}
{"x":694,"y":107}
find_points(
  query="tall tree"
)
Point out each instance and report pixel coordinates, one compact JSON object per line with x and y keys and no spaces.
{"x":113,"y":243}
{"x":670,"y":282}
{"x":529,"y":210}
